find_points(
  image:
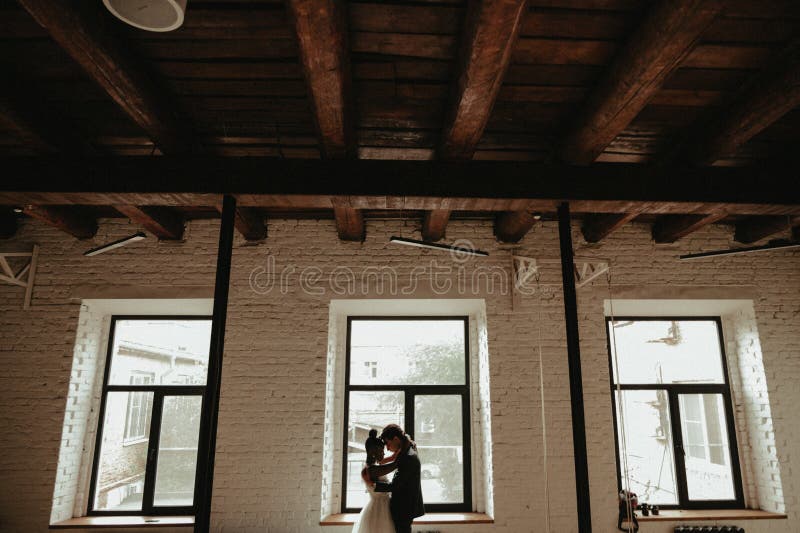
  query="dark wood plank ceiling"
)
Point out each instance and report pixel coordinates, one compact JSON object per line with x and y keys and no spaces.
{"x":414,"y":77}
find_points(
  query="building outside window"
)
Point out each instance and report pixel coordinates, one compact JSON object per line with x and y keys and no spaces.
{"x":137,"y":419}
{"x":411,"y":371}
{"x":672,"y":403}
{"x":146,"y":452}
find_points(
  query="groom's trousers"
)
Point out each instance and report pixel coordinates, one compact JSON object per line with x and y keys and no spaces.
{"x":402,"y":526}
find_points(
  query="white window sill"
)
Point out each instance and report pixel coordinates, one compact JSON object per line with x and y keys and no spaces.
{"x":669,"y":515}
{"x":347,"y":519}
{"x":86,"y":522}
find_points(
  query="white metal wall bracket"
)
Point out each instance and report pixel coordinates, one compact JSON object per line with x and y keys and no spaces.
{"x":525,"y":268}
{"x":588,"y":271}
{"x":25,"y":277}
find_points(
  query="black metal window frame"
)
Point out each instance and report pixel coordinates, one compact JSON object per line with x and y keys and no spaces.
{"x":159,"y":392}
{"x":673,"y":392}
{"x":410,"y":392}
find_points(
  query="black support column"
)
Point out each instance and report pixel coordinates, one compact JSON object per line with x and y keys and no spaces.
{"x":208,"y":426}
{"x":575,"y":380}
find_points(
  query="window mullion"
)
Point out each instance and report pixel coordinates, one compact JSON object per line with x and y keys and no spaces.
{"x":409,"y":411}
{"x":152,"y":452}
{"x":466,"y":443}
{"x":679,"y":453}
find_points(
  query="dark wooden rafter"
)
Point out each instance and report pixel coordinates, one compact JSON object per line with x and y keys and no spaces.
{"x":38,"y":121}
{"x":44,"y":135}
{"x":412,"y":185}
{"x":349,"y":223}
{"x":512,"y":226}
{"x":597,"y":227}
{"x":490,"y":32}
{"x":67,"y":219}
{"x":322,"y":38}
{"x":84,"y":31}
{"x":765,"y":98}
{"x":434,"y":224}
{"x":163,"y":222}
{"x":662,"y":41}
{"x":8,"y":223}
{"x":671,"y":228}
{"x":250,"y":222}
{"x":757,"y":228}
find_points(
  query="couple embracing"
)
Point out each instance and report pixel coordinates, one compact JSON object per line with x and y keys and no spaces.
{"x":382,"y":513}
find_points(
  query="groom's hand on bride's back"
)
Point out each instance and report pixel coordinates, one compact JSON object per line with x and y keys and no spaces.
{"x":365,"y":476}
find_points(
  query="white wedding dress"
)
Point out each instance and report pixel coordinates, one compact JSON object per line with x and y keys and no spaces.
{"x":375,"y":516}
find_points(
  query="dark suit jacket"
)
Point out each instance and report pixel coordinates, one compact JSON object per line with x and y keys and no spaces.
{"x":406,"y":502}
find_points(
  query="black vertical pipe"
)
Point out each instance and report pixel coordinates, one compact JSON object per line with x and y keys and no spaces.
{"x":575,"y":378}
{"x":208,"y":426}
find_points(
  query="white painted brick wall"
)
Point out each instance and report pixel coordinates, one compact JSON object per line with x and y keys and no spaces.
{"x":271,"y":428}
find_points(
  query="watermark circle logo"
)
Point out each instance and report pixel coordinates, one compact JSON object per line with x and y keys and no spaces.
{"x":461,"y":250}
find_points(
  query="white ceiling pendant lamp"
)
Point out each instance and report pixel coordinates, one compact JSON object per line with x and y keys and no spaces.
{"x":150,"y":15}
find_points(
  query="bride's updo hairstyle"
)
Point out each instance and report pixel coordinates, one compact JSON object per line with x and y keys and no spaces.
{"x":374,"y":446}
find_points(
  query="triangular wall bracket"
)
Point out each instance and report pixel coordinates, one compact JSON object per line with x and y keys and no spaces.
{"x":25,"y":277}
{"x":588,"y":271}
{"x":524,"y":269}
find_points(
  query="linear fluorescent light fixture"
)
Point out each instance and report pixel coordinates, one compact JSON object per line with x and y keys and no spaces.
{"x":435,"y":246}
{"x":777,"y":245}
{"x":116,"y":244}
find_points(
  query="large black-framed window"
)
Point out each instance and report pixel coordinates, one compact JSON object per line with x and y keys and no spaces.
{"x":670,"y":386}
{"x":145,"y":460}
{"x":412,"y":371}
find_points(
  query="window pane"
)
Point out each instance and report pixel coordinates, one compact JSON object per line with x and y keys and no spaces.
{"x":368,"y":410}
{"x":709,"y":475}
{"x":122,"y":462}
{"x":173,"y":352}
{"x":177,"y":451}
{"x":438,"y":434}
{"x":407,"y":352}
{"x":666,"y":351}
{"x":648,"y":438}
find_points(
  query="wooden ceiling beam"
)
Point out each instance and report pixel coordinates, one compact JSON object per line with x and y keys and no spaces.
{"x":490,"y":32}
{"x":757,"y":228}
{"x":349,"y":223}
{"x":322,"y":39}
{"x":8,"y":223}
{"x":668,"y":33}
{"x":434,"y":224}
{"x":671,"y":228}
{"x":84,"y":31}
{"x":764,"y":99}
{"x":67,"y":219}
{"x":512,"y":226}
{"x":597,"y":227}
{"x":46,"y":131}
{"x":420,"y":185}
{"x":250,"y":222}
{"x":162,"y":222}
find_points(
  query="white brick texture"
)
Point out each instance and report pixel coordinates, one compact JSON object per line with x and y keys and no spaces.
{"x":272,"y":412}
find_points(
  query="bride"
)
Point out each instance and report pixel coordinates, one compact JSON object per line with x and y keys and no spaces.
{"x":375,"y":516}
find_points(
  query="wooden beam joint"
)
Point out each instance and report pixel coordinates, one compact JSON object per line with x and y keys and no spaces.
{"x":512,"y":226}
{"x":350,"y":223}
{"x":67,"y":219}
{"x":671,"y":228}
{"x":162,"y":222}
{"x":434,"y":224}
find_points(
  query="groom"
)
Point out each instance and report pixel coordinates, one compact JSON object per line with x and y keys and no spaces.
{"x":406,"y":501}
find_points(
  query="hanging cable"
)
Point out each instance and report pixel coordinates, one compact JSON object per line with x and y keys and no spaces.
{"x":621,"y":406}
{"x":544,"y":418}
